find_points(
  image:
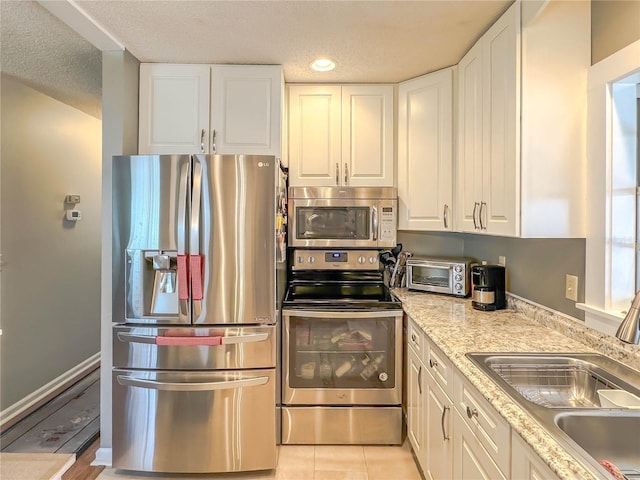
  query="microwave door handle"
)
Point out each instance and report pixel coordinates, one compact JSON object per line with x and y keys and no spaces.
{"x":374,"y":223}
{"x":129,"y":381}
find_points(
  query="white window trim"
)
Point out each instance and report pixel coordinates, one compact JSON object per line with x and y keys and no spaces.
{"x":597,"y":305}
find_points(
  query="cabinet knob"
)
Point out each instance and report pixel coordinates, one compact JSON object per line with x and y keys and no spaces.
{"x":433,"y":363}
{"x":472,"y":412}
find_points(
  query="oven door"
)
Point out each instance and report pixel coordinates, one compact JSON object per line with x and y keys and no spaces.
{"x":342,"y":357}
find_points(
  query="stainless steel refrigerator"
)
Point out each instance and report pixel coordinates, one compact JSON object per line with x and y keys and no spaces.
{"x":198,"y":246}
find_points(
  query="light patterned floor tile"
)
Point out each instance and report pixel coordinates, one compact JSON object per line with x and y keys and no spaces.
{"x":340,"y":458}
{"x":339,"y":475}
{"x":384,"y":463}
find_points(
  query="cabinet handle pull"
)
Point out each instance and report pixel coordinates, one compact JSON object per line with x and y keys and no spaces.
{"x":202,"y":134}
{"x":472,"y":412}
{"x":346,"y":174}
{"x":213,"y":142}
{"x":445,"y":216}
{"x":433,"y":363}
{"x":445,"y":409}
{"x":337,"y":173}
{"x":420,"y":379}
{"x":482,"y":205}
{"x":475,"y":207}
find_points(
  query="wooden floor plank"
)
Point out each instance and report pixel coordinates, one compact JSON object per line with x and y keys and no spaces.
{"x":53,"y":432}
{"x":60,"y":401}
{"x":82,"y":469}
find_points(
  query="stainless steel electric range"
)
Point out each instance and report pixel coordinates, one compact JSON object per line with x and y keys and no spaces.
{"x":342,"y":351}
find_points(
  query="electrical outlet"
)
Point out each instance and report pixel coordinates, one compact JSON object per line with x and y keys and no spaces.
{"x":502,"y":260}
{"x":571,"y":287}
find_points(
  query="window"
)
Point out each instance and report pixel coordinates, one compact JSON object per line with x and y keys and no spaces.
{"x":612,"y":255}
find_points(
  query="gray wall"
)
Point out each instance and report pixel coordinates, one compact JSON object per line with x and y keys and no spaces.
{"x":535,"y":268}
{"x":614,"y":25}
{"x":120,"y":79}
{"x":51,"y":277}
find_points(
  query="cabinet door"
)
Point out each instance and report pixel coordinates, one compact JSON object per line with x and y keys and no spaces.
{"x":174,"y":109}
{"x":501,"y":158}
{"x":415,"y":404}
{"x":425,"y":152}
{"x":367,"y":135}
{"x":469,"y":158}
{"x":439,"y":433}
{"x":526,"y":464}
{"x":314,"y":135}
{"x":470,"y":460}
{"x":246,"y":109}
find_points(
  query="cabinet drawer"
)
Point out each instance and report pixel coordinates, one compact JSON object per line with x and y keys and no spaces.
{"x":491,"y":430}
{"x":415,"y":338}
{"x":440,"y":368}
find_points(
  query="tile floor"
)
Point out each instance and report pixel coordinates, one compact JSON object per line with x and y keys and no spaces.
{"x":302,"y":462}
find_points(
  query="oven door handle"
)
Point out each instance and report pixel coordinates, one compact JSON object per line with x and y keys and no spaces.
{"x":368,"y":313}
{"x":130,"y":381}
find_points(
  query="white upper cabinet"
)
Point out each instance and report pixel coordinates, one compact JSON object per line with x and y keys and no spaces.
{"x":210,"y":109}
{"x":425,"y":152}
{"x":174,"y":108}
{"x":341,"y":135}
{"x":246,"y":109}
{"x":521,"y":123}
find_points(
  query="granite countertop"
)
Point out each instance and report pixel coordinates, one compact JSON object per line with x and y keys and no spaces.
{"x":456,"y":328}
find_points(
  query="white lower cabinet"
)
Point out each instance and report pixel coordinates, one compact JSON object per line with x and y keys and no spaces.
{"x":470,"y":459}
{"x":526,"y":464}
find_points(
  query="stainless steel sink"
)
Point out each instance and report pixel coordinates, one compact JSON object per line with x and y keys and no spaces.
{"x":612,"y":436}
{"x":561,"y":392}
{"x":556,"y":381}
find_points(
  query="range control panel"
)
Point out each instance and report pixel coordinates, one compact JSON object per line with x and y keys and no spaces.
{"x":336,"y":260}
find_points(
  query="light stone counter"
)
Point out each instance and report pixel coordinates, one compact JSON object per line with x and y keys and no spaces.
{"x":456,"y":328}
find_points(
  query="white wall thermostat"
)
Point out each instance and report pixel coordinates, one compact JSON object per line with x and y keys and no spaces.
{"x":74,"y":215}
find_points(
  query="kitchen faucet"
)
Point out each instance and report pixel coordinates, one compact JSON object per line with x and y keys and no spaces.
{"x":629,"y":329}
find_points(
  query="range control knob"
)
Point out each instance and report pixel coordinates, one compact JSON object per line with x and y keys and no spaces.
{"x":311,"y":259}
{"x":300,"y":259}
{"x":458,"y":287}
{"x":458,"y":268}
{"x":361,"y":259}
{"x":458,"y":277}
{"x":373,"y":260}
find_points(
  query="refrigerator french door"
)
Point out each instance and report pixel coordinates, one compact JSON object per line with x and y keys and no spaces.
{"x":196,"y":241}
{"x":342,"y":376}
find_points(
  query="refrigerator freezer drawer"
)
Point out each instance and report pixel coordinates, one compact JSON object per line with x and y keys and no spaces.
{"x":194,"y":348}
{"x":342,"y":425}
{"x":194,"y":422}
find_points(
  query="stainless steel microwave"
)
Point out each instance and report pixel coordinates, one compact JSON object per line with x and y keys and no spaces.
{"x":343,"y":217}
{"x":451,"y":276}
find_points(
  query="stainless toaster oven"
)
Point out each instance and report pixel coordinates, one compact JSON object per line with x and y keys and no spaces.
{"x":451,"y":276}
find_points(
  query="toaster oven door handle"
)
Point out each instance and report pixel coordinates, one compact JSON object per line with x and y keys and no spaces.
{"x":374,"y":222}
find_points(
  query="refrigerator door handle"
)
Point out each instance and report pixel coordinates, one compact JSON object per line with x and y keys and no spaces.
{"x":196,"y":264}
{"x":129,"y":381}
{"x":182,"y":260}
{"x":151,"y":339}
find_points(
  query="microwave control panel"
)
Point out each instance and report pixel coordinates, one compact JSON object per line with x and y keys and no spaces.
{"x":387,"y":224}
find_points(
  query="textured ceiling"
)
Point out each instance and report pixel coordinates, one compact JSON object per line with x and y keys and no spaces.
{"x":44,"y":53}
{"x":371,"y":41}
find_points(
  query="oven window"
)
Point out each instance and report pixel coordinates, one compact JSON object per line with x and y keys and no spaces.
{"x":342,"y":353}
{"x":430,"y":275}
{"x":352,"y":223}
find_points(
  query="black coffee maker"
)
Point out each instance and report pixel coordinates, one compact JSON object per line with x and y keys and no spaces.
{"x":488,"y":287}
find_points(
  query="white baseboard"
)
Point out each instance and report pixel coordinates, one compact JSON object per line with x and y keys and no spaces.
{"x":21,"y":408}
{"x":103,"y":457}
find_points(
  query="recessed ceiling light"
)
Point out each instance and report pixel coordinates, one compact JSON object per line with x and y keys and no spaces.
{"x":323,"y":65}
